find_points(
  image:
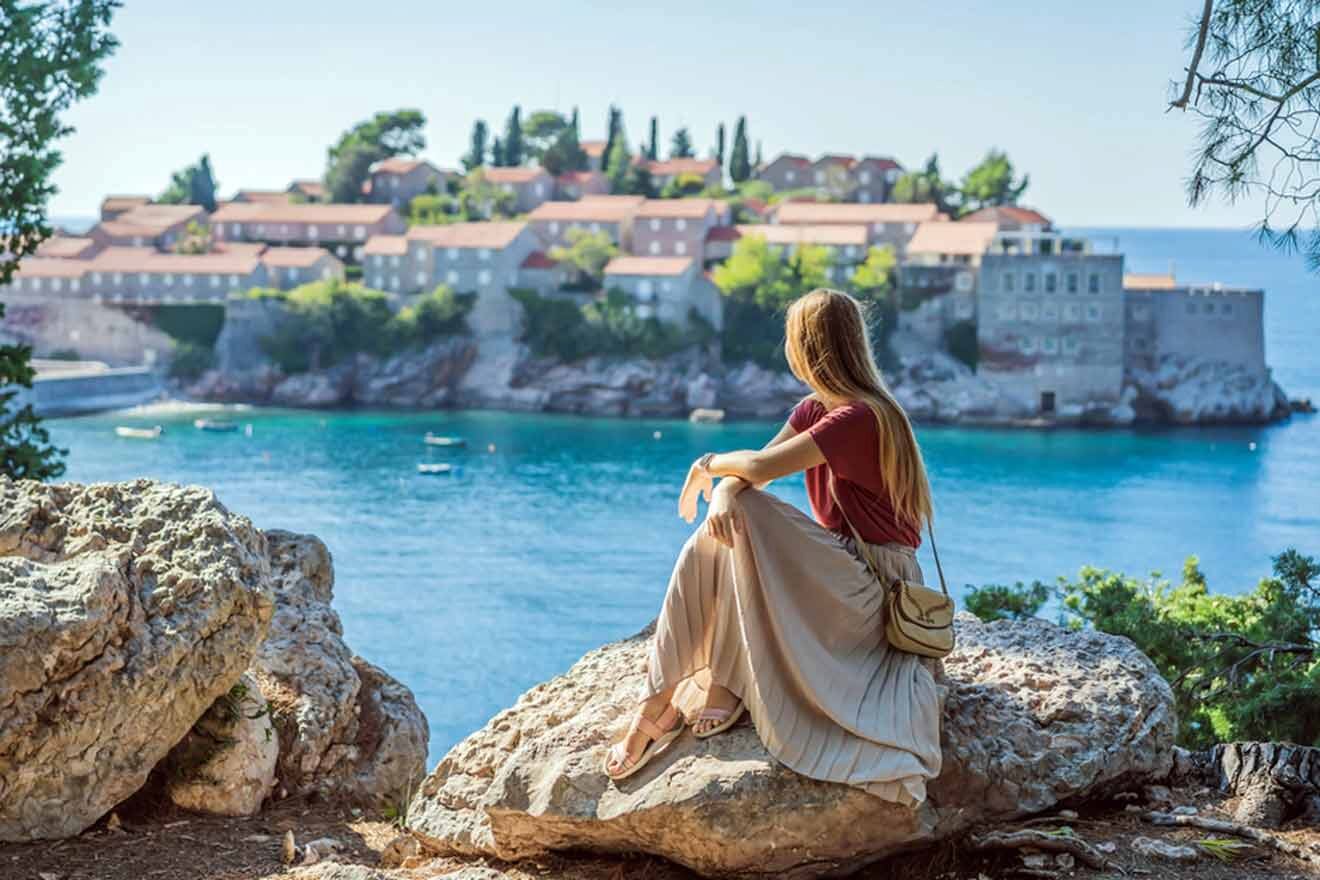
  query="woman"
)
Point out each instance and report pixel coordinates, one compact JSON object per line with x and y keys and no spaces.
{"x":771,"y":612}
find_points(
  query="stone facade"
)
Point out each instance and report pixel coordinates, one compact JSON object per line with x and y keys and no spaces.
{"x":1226,"y":325}
{"x":398,"y":181}
{"x":340,"y":229}
{"x":668,"y":288}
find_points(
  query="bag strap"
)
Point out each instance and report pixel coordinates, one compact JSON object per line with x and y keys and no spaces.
{"x":864,"y":548}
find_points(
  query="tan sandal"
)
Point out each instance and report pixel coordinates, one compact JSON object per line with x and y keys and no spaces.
{"x":660,"y":737}
{"x":725,"y":718}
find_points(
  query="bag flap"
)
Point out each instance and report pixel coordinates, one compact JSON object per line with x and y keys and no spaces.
{"x":920,"y":602}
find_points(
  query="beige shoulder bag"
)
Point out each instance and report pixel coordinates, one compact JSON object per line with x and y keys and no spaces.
{"x":918,"y":620}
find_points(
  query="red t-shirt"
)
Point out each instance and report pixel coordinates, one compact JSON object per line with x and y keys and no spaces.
{"x":849,"y":438}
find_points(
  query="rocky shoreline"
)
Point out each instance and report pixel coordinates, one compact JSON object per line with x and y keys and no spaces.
{"x":935,"y":388}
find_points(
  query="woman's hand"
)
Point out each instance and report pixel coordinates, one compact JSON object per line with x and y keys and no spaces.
{"x":699,"y":482}
{"x":722,"y":516}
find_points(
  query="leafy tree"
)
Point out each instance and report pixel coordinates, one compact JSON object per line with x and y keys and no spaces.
{"x":926,"y":186}
{"x":387,"y":134}
{"x":433,"y":210}
{"x":1254,"y":80}
{"x":617,"y":165}
{"x":961,"y":341}
{"x":683,"y":185}
{"x":196,"y":239}
{"x":541,"y":131}
{"x":577,"y":127}
{"x":740,"y":163}
{"x":875,"y":275}
{"x":991,"y":183}
{"x":558,"y":328}
{"x":613,"y":132}
{"x":194,"y":185}
{"x":681,"y":146}
{"x":565,"y":154}
{"x":434,"y":315}
{"x":53,"y":52}
{"x":588,"y":253}
{"x":476,"y":154}
{"x":719,"y":146}
{"x":757,"y":272}
{"x":998,"y":602}
{"x":653,"y":146}
{"x":479,"y":199}
{"x":514,"y":149}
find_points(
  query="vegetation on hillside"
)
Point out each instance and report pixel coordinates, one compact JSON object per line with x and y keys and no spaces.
{"x":383,"y":136}
{"x":193,"y":185}
{"x":560,"y":328}
{"x":1242,"y":667}
{"x":328,"y":321}
{"x":588,"y":253}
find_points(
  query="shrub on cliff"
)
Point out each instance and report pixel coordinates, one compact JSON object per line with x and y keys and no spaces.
{"x":1243,"y":667}
{"x":559,"y":328}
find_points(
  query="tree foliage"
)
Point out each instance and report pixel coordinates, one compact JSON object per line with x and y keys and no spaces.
{"x":1253,"y":79}
{"x":515,"y":151}
{"x":719,"y":145}
{"x":991,"y":183}
{"x":740,"y":163}
{"x":926,"y":185}
{"x":653,"y":144}
{"x":588,"y":253}
{"x":475,"y":157}
{"x":26,"y":452}
{"x":680,"y":147}
{"x":553,"y":141}
{"x":387,"y":134}
{"x":683,"y":185}
{"x":193,"y":185}
{"x":559,"y":328}
{"x":1242,"y":667}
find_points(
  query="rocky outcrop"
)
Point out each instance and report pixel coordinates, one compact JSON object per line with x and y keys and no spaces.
{"x":126,"y":610}
{"x":1034,"y":715}
{"x":1199,"y":392}
{"x":345,"y":728}
{"x":1273,"y":783}
{"x":225,"y":766}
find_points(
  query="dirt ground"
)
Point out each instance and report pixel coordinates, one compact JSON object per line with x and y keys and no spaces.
{"x":161,"y":843}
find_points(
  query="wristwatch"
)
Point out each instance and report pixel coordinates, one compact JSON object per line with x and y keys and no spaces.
{"x":705,"y":460}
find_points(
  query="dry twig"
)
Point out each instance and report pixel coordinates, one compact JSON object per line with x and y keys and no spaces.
{"x":1223,"y":826}
{"x":1069,"y":843}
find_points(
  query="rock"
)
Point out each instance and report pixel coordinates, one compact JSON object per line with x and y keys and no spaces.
{"x":1184,"y":810}
{"x":288,"y":848}
{"x":225,"y":766}
{"x":752,"y":391}
{"x":702,"y":392}
{"x":1152,"y":847}
{"x":1194,"y":391}
{"x":1272,"y":781}
{"x":1034,"y":715}
{"x":399,"y":850}
{"x":1158,"y":795}
{"x":336,"y":871}
{"x":126,"y":610}
{"x":345,"y":727}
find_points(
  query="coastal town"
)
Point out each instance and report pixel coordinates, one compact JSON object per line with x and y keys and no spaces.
{"x":1020,"y":321}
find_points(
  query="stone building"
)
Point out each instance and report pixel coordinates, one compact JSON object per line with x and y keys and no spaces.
{"x":668,"y":288}
{"x":530,"y":186}
{"x":484,"y":258}
{"x":676,"y":227}
{"x":886,"y":224}
{"x":1190,"y":322}
{"x":340,"y":229}
{"x":613,"y":215}
{"x":398,"y":180}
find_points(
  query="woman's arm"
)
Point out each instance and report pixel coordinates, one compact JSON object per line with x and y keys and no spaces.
{"x":734,"y":485}
{"x":783,"y":456}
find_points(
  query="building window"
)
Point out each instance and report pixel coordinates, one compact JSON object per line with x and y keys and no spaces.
{"x":1071,"y":345}
{"x":962,"y":282}
{"x":645,"y":289}
{"x":1191,"y":308}
{"x":1072,"y":312}
{"x":680,"y":224}
{"x":554,"y":227}
{"x":850,"y":250}
{"x":261,"y":229}
{"x":1226,"y":308}
{"x":56,"y":284}
{"x":118,"y":278}
{"x":394,"y":261}
{"x":595,"y":227}
{"x":1049,"y":311}
{"x":343,"y":230}
{"x":1071,"y":282}
{"x":144,"y":278}
{"x":74,"y":285}
{"x":484,"y":253}
{"x":169,"y":280}
{"x":215,"y":280}
{"x":1051,"y":282}
{"x":451,"y":278}
{"x":1093,"y":283}
{"x":1050,"y":345}
{"x":864,"y":177}
{"x":1209,"y":308}
{"x":421,"y":278}
{"x":483,"y":277}
{"x":680,"y":248}
{"x":238,"y":230}
{"x":820,"y":177}
{"x":790,"y":176}
{"x":233,"y":281}
{"x":187,"y":280}
{"x":96,"y":277}
{"x":359,"y":232}
{"x":380,"y":281}
{"x":654,"y":247}
{"x":1027,"y":345}
{"x":1006,"y":312}
{"x":1029,"y":311}
{"x":655,"y":224}
{"x":420,"y":255}
{"x":452,"y":253}
{"x":863,"y":196}
{"x":1008,"y":282}
{"x":394,"y":282}
{"x":1093,"y":312}
{"x":540,"y":190}
{"x":1029,"y":282}
{"x":1139,"y":344}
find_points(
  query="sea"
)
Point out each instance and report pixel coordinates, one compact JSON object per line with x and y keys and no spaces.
{"x":553,"y":535}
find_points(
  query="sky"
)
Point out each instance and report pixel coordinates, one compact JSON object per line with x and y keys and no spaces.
{"x":1074,"y":92}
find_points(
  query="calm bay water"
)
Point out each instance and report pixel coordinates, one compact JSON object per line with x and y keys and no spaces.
{"x":474,"y":586}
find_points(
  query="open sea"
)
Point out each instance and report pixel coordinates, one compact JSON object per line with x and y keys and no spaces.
{"x":557,"y":534}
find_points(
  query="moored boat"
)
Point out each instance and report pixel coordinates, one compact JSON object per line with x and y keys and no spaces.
{"x":434,"y":469}
{"x":440,"y":440}
{"x":151,"y":433}
{"x":214,"y":425}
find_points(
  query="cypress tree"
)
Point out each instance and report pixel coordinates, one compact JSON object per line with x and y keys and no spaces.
{"x":476,"y":154}
{"x":577,"y":131}
{"x":611,"y":135}
{"x":653,"y":150}
{"x":497,"y":153}
{"x":681,"y":148}
{"x":513,"y":138}
{"x":719,"y":146}
{"x":740,"y":165}
{"x":618,"y":162}
{"x":758,"y":155}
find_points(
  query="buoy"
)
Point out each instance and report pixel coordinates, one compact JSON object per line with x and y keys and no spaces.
{"x":490,"y":447}
{"x":1252,"y":446}
{"x":656,"y":435}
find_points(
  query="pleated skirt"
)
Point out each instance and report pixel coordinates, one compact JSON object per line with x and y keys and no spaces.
{"x":791,"y":621}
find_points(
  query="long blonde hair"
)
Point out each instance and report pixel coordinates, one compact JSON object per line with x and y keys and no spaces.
{"x":828,"y":348}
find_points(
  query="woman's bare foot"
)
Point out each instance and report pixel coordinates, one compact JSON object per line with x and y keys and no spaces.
{"x":660,"y":713}
{"x":717,"y":697}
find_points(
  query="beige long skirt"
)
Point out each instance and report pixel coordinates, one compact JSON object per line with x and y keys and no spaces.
{"x":790,"y":620}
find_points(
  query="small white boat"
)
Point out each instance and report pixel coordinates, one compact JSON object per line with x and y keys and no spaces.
{"x":151,"y":433}
{"x":703,"y":416}
{"x":216,"y":426}
{"x":439,"y":440}
{"x":434,"y":469}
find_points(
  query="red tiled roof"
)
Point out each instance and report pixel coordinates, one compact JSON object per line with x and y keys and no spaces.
{"x":125,"y":201}
{"x":944,"y":237}
{"x":495,"y":235}
{"x":311,"y":188}
{"x":834,"y":235}
{"x":648,"y":265}
{"x":589,"y":209}
{"x":151,"y":220}
{"x":51,"y":267}
{"x":131,"y":259}
{"x":1008,"y":215}
{"x":593,"y":148}
{"x":274,"y":212}
{"x":1149,"y":281}
{"x":700,"y":167}
{"x":836,"y":159}
{"x":65,"y":246}
{"x":293,"y":257}
{"x":513,"y":175}
{"x":538,"y":260}
{"x":386,"y":245}
{"x":693,"y":208}
{"x":754,"y":204}
{"x":239,"y":247}
{"x":882,"y":162}
{"x":397,"y":165}
{"x":262,"y":195}
{"x":833,"y":212}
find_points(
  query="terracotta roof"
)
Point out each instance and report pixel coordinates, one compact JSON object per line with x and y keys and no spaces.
{"x":755,"y":204}
{"x":687,"y":208}
{"x":262,"y":195}
{"x":128,"y":259}
{"x":151,"y":220}
{"x":884,"y":162}
{"x":579,"y":176}
{"x":122,"y":229}
{"x":1149,"y":281}
{"x":51,"y":267}
{"x":724,"y":233}
{"x":943,"y":237}
{"x":495,"y":235}
{"x":513,"y":175}
{"x":125,"y":201}
{"x":1008,"y":215}
{"x":274,"y":212}
{"x":794,"y":159}
{"x":831,"y":212}
{"x":293,"y":257}
{"x":239,"y":247}
{"x":648,"y":265}
{"x":538,"y":260}
{"x":833,"y":235}
{"x":386,"y":245}
{"x":65,"y":246}
{"x":593,"y":148}
{"x":398,"y":165}
{"x":700,"y":167}
{"x":308,"y":187}
{"x":588,"y":209}
{"x":836,"y":159}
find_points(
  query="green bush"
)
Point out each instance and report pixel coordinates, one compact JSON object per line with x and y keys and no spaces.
{"x":191,"y":360}
{"x":199,"y":325}
{"x":438,"y":313}
{"x":559,"y":328}
{"x":960,"y":341}
{"x":1243,"y":667}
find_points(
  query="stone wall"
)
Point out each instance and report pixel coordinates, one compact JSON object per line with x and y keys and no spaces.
{"x":95,"y":331}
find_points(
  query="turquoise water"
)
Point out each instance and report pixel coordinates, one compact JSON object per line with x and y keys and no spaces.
{"x":474,"y":586}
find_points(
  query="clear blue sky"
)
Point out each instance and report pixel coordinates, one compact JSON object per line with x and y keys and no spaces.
{"x":1075,"y":92}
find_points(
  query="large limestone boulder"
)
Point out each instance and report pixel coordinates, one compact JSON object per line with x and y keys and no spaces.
{"x":345,"y":727}
{"x":1188,"y":391}
{"x":225,"y":766}
{"x":1034,"y":715}
{"x":126,"y":610}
